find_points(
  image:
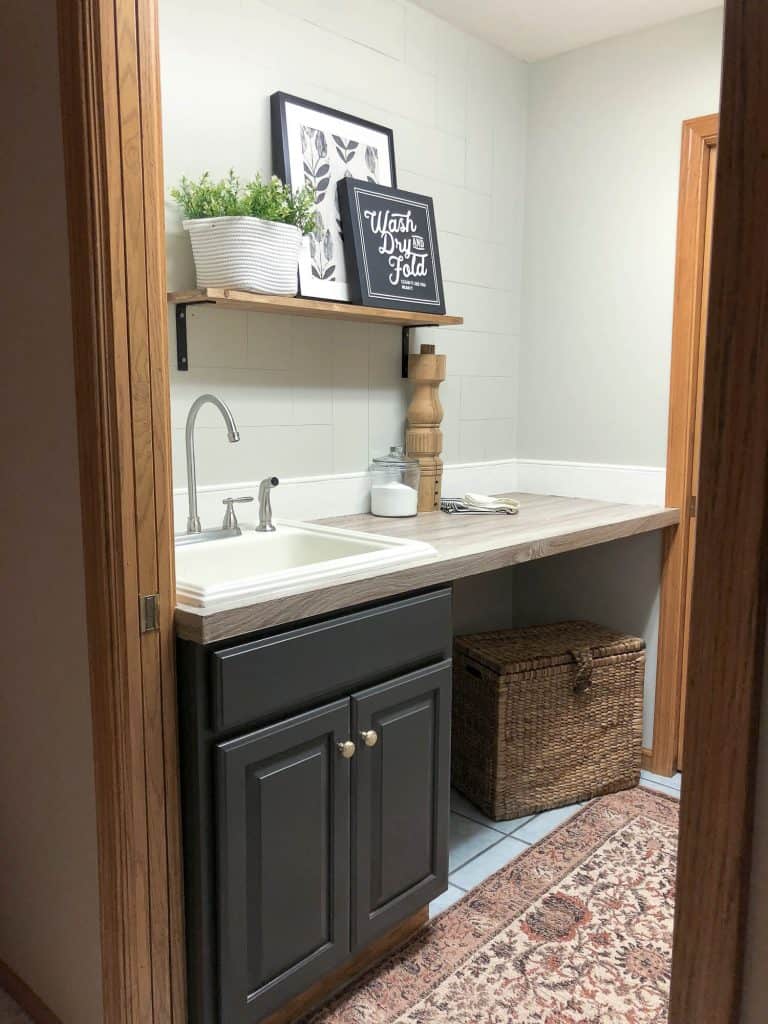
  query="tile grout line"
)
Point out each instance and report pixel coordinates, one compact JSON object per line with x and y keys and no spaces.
{"x":493,"y":828}
{"x":475,"y":856}
{"x":512,"y":835}
{"x":503,"y":836}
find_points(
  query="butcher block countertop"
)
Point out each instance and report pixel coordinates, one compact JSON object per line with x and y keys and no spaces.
{"x":466,"y":545}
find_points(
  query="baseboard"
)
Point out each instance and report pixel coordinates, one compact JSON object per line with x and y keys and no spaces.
{"x":635,"y":485}
{"x":338,"y":494}
{"x":28,"y":1000}
{"x":494,"y":477}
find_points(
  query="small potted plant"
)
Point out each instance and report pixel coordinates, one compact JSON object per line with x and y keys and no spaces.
{"x":246,"y":235}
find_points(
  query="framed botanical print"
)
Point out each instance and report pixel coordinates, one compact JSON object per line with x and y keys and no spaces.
{"x":390,"y":238}
{"x":318,"y":146}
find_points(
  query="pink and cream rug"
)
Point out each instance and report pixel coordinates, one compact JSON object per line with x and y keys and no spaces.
{"x":576,"y":930}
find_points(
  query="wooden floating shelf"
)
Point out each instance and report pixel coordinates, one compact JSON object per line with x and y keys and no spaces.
{"x":229,"y":298}
{"x":249,"y":301}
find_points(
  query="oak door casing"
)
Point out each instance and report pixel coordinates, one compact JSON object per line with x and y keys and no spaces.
{"x":699,"y":140}
{"x":696,"y":454}
{"x":111,"y":127}
{"x":401,"y":797}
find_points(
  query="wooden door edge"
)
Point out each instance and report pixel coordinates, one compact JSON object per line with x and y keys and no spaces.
{"x":86,"y":105}
{"x":152,"y":136}
{"x":730,"y":586}
{"x":119,"y":354}
{"x":698,"y":135}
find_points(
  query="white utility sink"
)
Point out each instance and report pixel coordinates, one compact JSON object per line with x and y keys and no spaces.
{"x":254,"y":563}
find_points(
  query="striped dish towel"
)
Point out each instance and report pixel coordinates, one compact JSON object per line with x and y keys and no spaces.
{"x":479,"y":504}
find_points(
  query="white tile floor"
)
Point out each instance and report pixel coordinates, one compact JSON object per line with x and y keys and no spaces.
{"x":480,"y":846}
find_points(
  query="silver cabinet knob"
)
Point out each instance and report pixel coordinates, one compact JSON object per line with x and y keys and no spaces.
{"x":346,"y":749}
{"x":369,"y":737}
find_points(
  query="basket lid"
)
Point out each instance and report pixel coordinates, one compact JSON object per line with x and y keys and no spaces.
{"x":531,"y":647}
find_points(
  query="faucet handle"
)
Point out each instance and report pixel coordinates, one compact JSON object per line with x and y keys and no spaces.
{"x":230,"y":519}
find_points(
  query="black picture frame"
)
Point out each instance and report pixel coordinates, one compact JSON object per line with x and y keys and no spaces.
{"x":391,"y":245}
{"x":318,"y":145}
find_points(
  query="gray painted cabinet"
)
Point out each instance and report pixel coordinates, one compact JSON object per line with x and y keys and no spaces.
{"x":283,"y":853}
{"x":400,"y":799}
{"x":296,"y":856}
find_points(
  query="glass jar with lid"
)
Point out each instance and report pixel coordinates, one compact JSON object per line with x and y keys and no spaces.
{"x":394,"y":484}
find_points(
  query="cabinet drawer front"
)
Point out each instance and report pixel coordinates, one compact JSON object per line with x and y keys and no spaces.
{"x":290,"y":670}
{"x":401,"y":796}
{"x":283,"y":860}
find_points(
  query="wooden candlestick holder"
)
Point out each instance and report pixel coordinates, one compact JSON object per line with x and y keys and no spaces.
{"x":423,"y":436}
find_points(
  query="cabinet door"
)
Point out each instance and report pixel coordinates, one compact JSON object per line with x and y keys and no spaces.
{"x":283,"y":860}
{"x":400,"y":796}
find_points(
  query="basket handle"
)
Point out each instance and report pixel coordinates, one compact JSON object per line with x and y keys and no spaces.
{"x":583,"y":659}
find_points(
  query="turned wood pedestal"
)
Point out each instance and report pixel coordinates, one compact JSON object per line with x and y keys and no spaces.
{"x":423,"y":436}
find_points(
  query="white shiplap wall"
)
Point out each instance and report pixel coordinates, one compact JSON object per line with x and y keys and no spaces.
{"x":319,"y":398}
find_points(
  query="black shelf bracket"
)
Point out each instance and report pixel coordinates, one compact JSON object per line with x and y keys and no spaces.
{"x":182,"y":355}
{"x":407,"y":346}
{"x":406,"y":350}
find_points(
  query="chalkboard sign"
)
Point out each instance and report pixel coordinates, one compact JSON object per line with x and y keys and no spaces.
{"x":390,"y":241}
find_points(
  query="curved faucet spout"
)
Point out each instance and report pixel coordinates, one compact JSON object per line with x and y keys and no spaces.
{"x":233,"y":434}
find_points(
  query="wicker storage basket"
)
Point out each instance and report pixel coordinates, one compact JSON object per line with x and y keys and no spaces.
{"x":546,"y":716}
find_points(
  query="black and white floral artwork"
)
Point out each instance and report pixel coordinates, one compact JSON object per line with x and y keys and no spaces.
{"x":325,"y":162}
{"x":317,"y":146}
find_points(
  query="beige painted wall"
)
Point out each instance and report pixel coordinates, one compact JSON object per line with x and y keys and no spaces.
{"x":49,"y":920}
{"x":604,"y":128}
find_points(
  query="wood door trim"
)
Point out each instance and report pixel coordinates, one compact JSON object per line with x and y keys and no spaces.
{"x":110,"y":110}
{"x":728,"y":643}
{"x":699,"y":135}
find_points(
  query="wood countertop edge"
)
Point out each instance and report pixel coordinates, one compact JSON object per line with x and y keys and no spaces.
{"x":205,"y":626}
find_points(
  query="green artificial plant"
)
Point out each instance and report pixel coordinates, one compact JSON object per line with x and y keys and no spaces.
{"x":229,"y":197}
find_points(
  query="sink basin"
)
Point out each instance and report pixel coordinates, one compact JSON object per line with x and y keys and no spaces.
{"x":254,"y":563}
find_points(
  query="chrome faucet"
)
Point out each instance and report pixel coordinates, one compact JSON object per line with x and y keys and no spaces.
{"x":265,"y":504}
{"x":193,"y":519}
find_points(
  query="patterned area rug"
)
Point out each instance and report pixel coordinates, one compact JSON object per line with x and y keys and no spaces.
{"x":576,"y":930}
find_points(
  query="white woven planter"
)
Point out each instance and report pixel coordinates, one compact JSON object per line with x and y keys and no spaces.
{"x":246,"y":253}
